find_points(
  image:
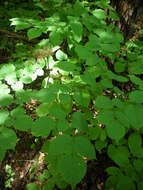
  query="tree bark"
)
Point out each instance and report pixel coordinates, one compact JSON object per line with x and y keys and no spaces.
{"x":131,"y":15}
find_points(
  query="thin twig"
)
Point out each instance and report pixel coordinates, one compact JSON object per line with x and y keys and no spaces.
{"x":12,"y":34}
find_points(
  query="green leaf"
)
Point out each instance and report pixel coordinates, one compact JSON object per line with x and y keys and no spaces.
{"x":94,"y":132}
{"x":82,"y":52}
{"x":113,"y":171}
{"x":140,"y":185}
{"x":118,"y":78}
{"x":82,"y":98}
{"x":110,"y":48}
{"x":66,"y":67}
{"x":135,"y":144}
{"x":20,"y":23}
{"x":45,"y":147}
{"x":32,"y":186}
{"x":49,"y":185}
{"x":119,"y":155}
{"x":100,"y":145}
{"x":8,"y":139}
{"x":44,"y":176}
{"x":72,"y":168}
{"x":47,"y":95}
{"x":109,"y":38}
{"x":134,"y":114}
{"x":103,"y":102}
{"x":92,"y":60}
{"x":137,"y":81}
{"x":3,"y":116}
{"x":106,"y":83}
{"x":83,"y":147}
{"x":118,"y":103}
{"x":106,"y":117}
{"x":23,"y":96}
{"x":125,"y":182}
{"x":11,"y":78}
{"x":34,"y":33}
{"x":26,"y":79}
{"x":102,"y":4}
{"x":56,"y":37}
{"x":76,"y":29}
{"x":111,"y":182}
{"x":114,"y":15}
{"x":103,"y":135}
{"x":79,"y":9}
{"x":62,"y":125}
{"x":120,"y":116}
{"x":136,"y":96}
{"x":135,"y":67}
{"x":99,"y":13}
{"x":4,"y":89}
{"x":119,"y":66}
{"x":78,"y":122}
{"x":60,"y":55}
{"x":23,"y":123}
{"x":66,"y":102}
{"x":6,"y":99}
{"x":60,"y":145}
{"x":42,"y":127}
{"x":2,"y":154}
{"x":60,"y":182}
{"x":18,"y":111}
{"x":89,"y":78}
{"x":57,"y":111}
{"x":93,"y":43}
{"x":43,"y":109}
{"x":138,"y":165}
{"x":115,"y":130}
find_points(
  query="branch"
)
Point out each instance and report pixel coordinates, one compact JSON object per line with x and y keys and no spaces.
{"x":11,"y":34}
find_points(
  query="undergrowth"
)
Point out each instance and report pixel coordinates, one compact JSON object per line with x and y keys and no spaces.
{"x":86,"y":85}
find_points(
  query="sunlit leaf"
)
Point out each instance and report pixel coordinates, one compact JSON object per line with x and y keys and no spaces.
{"x":34,"y":33}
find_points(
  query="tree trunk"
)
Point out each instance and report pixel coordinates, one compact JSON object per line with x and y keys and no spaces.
{"x":131,"y":15}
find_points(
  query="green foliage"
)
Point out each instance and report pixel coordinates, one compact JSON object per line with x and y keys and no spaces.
{"x":9,"y":176}
{"x":70,"y":153}
{"x":8,"y":141}
{"x":88,"y":94}
{"x":32,"y":186}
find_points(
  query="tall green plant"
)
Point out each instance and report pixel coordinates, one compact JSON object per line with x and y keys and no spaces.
{"x":90,"y":95}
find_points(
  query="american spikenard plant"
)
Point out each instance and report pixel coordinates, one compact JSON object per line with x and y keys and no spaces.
{"x":84,"y":106}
